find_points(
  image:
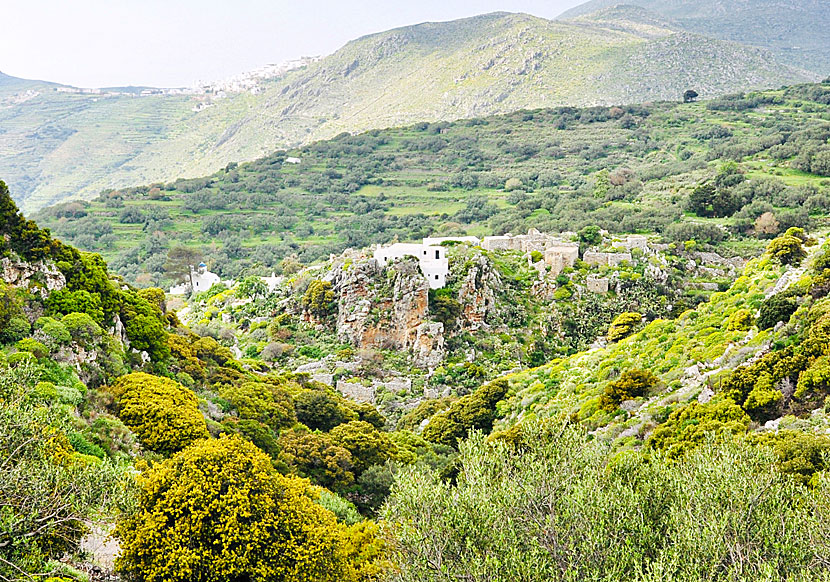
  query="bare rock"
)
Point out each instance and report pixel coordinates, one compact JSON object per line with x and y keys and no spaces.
{"x":41,"y":277}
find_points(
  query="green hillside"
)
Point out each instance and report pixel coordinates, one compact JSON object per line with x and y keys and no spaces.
{"x":641,"y":168}
{"x":57,"y":146}
{"x":794,"y":30}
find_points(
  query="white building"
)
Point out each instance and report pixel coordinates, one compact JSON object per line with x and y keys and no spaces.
{"x":432,"y":260}
{"x":201,"y":278}
{"x":273,"y":282}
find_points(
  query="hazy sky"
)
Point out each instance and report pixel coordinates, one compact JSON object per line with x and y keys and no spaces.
{"x":95,"y":43}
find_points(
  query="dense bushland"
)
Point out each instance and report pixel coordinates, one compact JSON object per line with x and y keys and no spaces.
{"x":547,"y":502}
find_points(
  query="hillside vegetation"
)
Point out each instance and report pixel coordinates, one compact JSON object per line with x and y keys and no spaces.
{"x":685,"y":443}
{"x":728,"y":173}
{"x":58,"y":146}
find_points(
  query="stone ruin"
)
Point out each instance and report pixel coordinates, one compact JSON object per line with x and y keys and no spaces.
{"x":356,"y":391}
{"x":606,"y":259}
{"x":561,"y":256}
{"x":532,"y":241}
{"x":597,"y":284}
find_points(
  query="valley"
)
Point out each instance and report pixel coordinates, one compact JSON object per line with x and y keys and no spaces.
{"x":492,"y":299}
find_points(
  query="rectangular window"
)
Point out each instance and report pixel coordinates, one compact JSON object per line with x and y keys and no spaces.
{"x":437,"y":254}
{"x":436,"y":277}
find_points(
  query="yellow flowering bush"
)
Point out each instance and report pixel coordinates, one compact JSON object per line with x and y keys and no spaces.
{"x":219,"y":511}
{"x":164,"y":414}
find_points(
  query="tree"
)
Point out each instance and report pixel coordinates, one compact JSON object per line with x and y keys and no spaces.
{"x":265,"y":403}
{"x":367,"y":444}
{"x":590,"y":235}
{"x":476,"y":411}
{"x":164,"y":414}
{"x":318,"y":299}
{"x":252,"y":287}
{"x":320,"y":410}
{"x":317,"y":457}
{"x":690,"y":96}
{"x":180,"y":261}
{"x":631,"y":384}
{"x":779,"y":307}
{"x":218,"y":511}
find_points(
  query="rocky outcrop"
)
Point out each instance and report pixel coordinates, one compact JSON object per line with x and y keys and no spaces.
{"x":428,"y":348}
{"x":39,"y":277}
{"x":477,"y":294}
{"x":387,"y":309}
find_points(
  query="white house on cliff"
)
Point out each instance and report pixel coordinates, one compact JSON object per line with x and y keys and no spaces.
{"x":432,"y":260}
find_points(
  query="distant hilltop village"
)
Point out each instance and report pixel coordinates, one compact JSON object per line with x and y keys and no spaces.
{"x":555,"y":254}
{"x":248,"y":82}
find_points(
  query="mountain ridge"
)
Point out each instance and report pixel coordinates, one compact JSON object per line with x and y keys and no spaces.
{"x":794,"y":30}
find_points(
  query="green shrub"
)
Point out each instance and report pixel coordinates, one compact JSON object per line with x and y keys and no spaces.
{"x":623,"y":325}
{"x":265,"y":403}
{"x":53,"y":333}
{"x":476,"y":411}
{"x":21,"y":359}
{"x":82,"y":328}
{"x":219,"y":511}
{"x":64,"y":302}
{"x":16,"y":329}
{"x":344,"y":510}
{"x":694,"y":424}
{"x":69,"y":395}
{"x":34,"y":347}
{"x":46,"y":390}
{"x":741,"y":320}
{"x":367,"y":445}
{"x":321,"y":410}
{"x":83,"y":446}
{"x":787,"y":249}
{"x":631,"y":384}
{"x":763,"y":400}
{"x":565,"y":507}
{"x":318,"y":457}
{"x":319,"y":299}
{"x":777,"y":308}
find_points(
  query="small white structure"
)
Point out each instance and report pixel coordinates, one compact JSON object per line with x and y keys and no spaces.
{"x":201,"y":278}
{"x":292,"y":160}
{"x":432,"y":260}
{"x":273,"y":282}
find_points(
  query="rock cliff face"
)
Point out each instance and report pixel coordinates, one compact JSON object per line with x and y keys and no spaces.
{"x":387,"y":309}
{"x":477,"y":294}
{"x":41,"y":278}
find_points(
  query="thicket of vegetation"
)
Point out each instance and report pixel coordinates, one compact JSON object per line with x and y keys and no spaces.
{"x":689,"y":443}
{"x":728,"y":172}
{"x":547,"y":502}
